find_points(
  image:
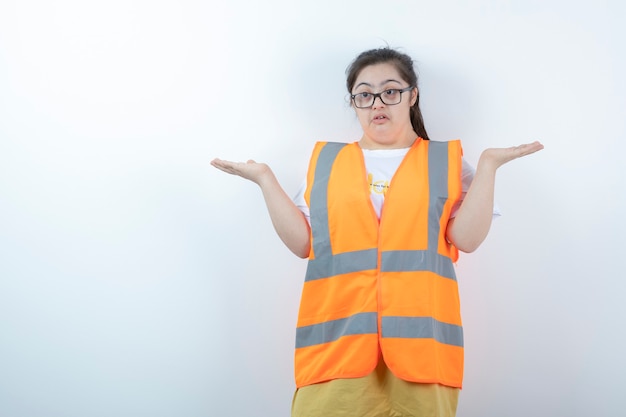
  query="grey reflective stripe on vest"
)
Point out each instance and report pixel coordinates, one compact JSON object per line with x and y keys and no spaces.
{"x":422,"y":328}
{"x":417,"y":260}
{"x":329,"y":331}
{"x":325,"y":263}
{"x":427,"y":260}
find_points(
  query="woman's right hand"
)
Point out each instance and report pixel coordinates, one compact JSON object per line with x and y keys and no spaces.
{"x":289,"y":222}
{"x":251,"y":170}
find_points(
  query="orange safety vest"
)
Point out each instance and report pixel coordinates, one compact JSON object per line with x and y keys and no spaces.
{"x":388,"y":283}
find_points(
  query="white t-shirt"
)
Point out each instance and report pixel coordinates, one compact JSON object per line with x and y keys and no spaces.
{"x":381,"y":165}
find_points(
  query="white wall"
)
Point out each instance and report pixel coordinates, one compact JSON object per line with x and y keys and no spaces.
{"x":137,"y":280}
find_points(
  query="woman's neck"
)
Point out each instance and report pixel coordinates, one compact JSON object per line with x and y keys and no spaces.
{"x":406,"y":141}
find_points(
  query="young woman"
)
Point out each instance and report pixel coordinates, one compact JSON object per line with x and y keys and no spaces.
{"x":381,"y":221}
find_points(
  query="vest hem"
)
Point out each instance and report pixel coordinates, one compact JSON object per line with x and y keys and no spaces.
{"x":341,"y":376}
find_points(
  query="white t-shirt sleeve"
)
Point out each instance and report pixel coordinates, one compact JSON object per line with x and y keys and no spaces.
{"x":467,"y":176}
{"x":300,"y":202}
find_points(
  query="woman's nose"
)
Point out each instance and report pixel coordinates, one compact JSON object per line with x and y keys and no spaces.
{"x":379,"y":98}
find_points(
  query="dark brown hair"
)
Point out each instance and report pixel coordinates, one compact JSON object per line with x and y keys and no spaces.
{"x":404,"y":65}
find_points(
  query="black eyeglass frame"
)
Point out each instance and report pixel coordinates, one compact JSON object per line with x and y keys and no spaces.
{"x":380,"y":96}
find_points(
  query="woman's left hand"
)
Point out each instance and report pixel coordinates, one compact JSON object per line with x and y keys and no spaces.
{"x":471,"y":224}
{"x":496,"y":157}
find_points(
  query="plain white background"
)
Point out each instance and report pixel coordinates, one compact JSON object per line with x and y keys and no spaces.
{"x":136,"y":280}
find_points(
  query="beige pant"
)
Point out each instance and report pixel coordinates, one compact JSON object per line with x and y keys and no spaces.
{"x":380,"y":394}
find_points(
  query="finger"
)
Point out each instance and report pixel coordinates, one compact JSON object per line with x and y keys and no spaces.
{"x":220,"y":163}
{"x":530,"y":148}
{"x":226,"y":166}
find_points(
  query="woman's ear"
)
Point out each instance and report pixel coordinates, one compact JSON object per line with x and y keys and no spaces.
{"x":414,"y":95}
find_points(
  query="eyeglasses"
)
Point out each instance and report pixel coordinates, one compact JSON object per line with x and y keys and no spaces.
{"x":389,"y":97}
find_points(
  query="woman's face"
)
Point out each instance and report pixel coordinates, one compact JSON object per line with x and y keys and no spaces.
{"x":384,"y":126}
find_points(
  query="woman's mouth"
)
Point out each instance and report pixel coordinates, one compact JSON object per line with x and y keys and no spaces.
{"x":379,"y":118}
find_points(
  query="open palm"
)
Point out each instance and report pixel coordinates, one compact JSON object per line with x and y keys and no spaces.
{"x":497,"y":157}
{"x":250,"y":170}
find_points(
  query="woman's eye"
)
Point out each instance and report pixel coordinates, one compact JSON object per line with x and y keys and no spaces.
{"x":390,"y":92}
{"x":363,"y":95}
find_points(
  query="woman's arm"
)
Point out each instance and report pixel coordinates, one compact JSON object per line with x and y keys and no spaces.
{"x":288,"y":220}
{"x":470,"y":226}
